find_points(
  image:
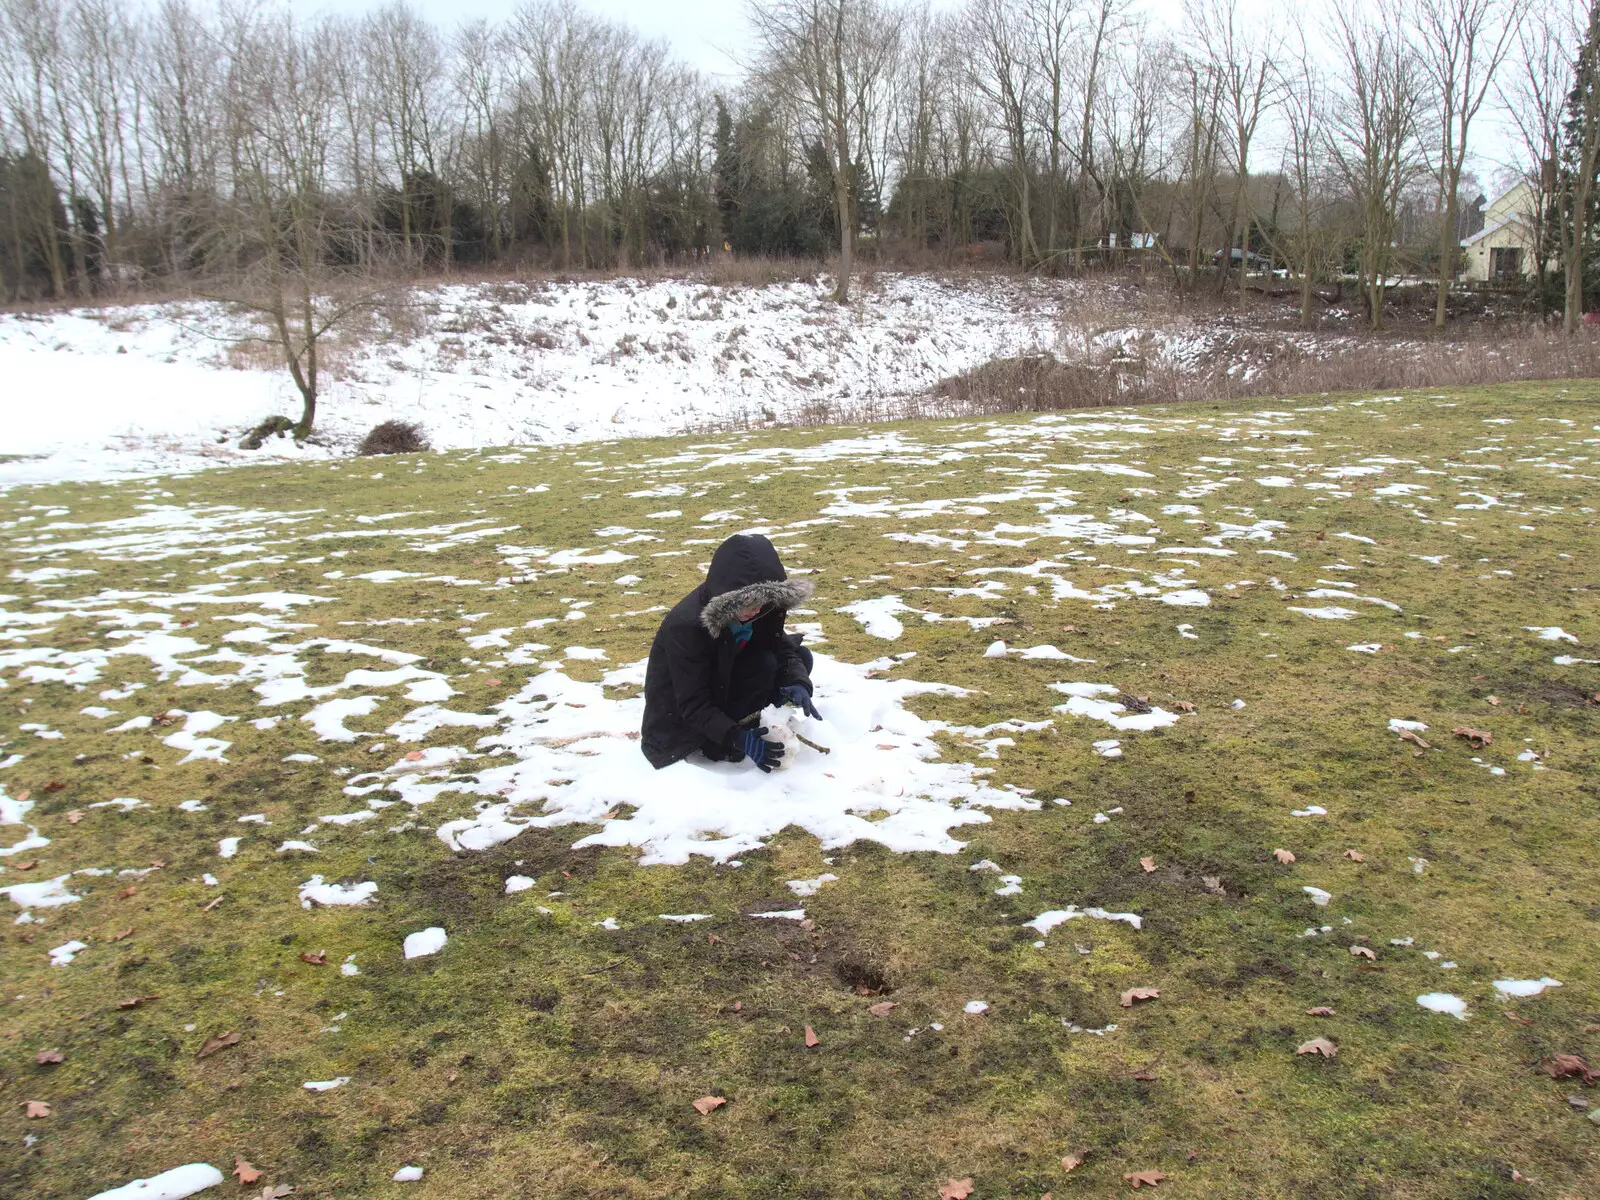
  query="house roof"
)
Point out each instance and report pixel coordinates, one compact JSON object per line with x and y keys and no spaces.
{"x":1515,"y":187}
{"x":1490,"y":230}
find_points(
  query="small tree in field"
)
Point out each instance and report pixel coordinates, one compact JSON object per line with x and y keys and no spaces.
{"x":281,"y":240}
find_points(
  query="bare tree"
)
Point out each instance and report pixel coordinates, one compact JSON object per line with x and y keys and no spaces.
{"x":1311,"y":243}
{"x":1533,"y":95}
{"x":280,"y":230}
{"x":1244,"y":53}
{"x":1201,"y":91}
{"x":1461,"y":44}
{"x":832,"y":53}
{"x":1005,"y":71}
{"x":1374,"y":140}
{"x":1577,"y":168}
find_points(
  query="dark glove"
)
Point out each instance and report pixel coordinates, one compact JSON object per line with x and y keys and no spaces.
{"x":757,"y":749}
{"x":796,"y":694}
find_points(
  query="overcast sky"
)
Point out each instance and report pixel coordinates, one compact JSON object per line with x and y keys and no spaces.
{"x":714,"y":36}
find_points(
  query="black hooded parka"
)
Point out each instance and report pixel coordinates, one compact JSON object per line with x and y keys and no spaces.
{"x":691,"y":660}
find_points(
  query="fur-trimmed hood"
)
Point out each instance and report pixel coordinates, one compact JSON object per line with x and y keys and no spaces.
{"x":747,"y":573}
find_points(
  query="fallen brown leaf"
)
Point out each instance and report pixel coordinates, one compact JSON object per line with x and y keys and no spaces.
{"x":413,"y":755}
{"x":1355,"y":856}
{"x":1476,"y":738}
{"x":712,"y":939}
{"x":1320,"y":1046}
{"x":55,"y":785}
{"x":1559,"y":1066}
{"x":705,"y":1104}
{"x":1183,"y":705}
{"x":46,"y":1057}
{"x":1322,"y":1010}
{"x":128,"y":932}
{"x":883,"y":1008}
{"x":135,"y":1001}
{"x":1149,"y":864}
{"x":1362,"y":952}
{"x":247,"y":1172}
{"x":1411,"y":735}
{"x":217,"y":1042}
{"x":213,"y":904}
{"x":1144,"y":1178}
{"x":74,"y":816}
{"x":1145,"y":1075}
{"x":277,"y":1192}
{"x":956,"y":1189}
{"x":811,"y":1037}
{"x":1072,"y":1162}
{"x":126,"y":892}
{"x":29,"y":865}
{"x":1284,"y":856}
{"x":1495,"y":700}
{"x":24,"y":794}
{"x":36,"y":1109}
{"x":1512,"y":1016}
{"x":317,"y":958}
{"x":1138,"y":993}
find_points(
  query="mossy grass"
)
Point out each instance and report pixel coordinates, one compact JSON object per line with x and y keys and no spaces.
{"x":542,"y":1054}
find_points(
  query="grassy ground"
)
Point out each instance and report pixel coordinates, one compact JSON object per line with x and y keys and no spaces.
{"x":541,"y":1054}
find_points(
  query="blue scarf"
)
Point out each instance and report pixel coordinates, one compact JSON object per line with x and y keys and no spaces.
{"x":741,"y":631}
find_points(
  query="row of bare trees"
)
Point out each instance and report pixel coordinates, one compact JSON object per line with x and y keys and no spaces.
{"x":187,"y":143}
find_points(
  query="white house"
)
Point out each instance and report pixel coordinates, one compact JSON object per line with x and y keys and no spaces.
{"x":1503,"y":251}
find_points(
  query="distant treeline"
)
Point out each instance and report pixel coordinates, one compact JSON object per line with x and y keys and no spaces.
{"x":141,"y":146}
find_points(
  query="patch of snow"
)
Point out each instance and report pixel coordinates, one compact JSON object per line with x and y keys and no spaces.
{"x":65,"y":953}
{"x":1551,"y":633}
{"x":1522,"y":988}
{"x":314,"y":891}
{"x":1445,"y":1004}
{"x":810,"y":887}
{"x":1046,"y":921}
{"x":169,"y":1185}
{"x":424,"y":942}
{"x":1086,"y":702}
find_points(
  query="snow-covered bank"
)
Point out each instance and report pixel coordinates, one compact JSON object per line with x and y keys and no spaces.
{"x":139,"y":390}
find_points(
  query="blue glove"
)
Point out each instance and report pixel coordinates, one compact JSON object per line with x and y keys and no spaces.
{"x":757,"y":749}
{"x":796,"y":694}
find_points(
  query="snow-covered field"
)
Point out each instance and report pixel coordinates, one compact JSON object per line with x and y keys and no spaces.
{"x":143,"y":389}
{"x":149,"y":388}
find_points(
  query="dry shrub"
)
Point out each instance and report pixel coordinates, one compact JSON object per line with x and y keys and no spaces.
{"x":394,"y":437}
{"x":754,"y":270}
{"x":277,"y":426}
{"x":1256,"y":363}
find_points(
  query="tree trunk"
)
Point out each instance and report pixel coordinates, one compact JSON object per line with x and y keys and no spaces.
{"x":1447,"y":257}
{"x":841,"y":175}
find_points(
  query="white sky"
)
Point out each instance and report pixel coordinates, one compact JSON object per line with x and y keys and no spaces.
{"x":713,"y":35}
